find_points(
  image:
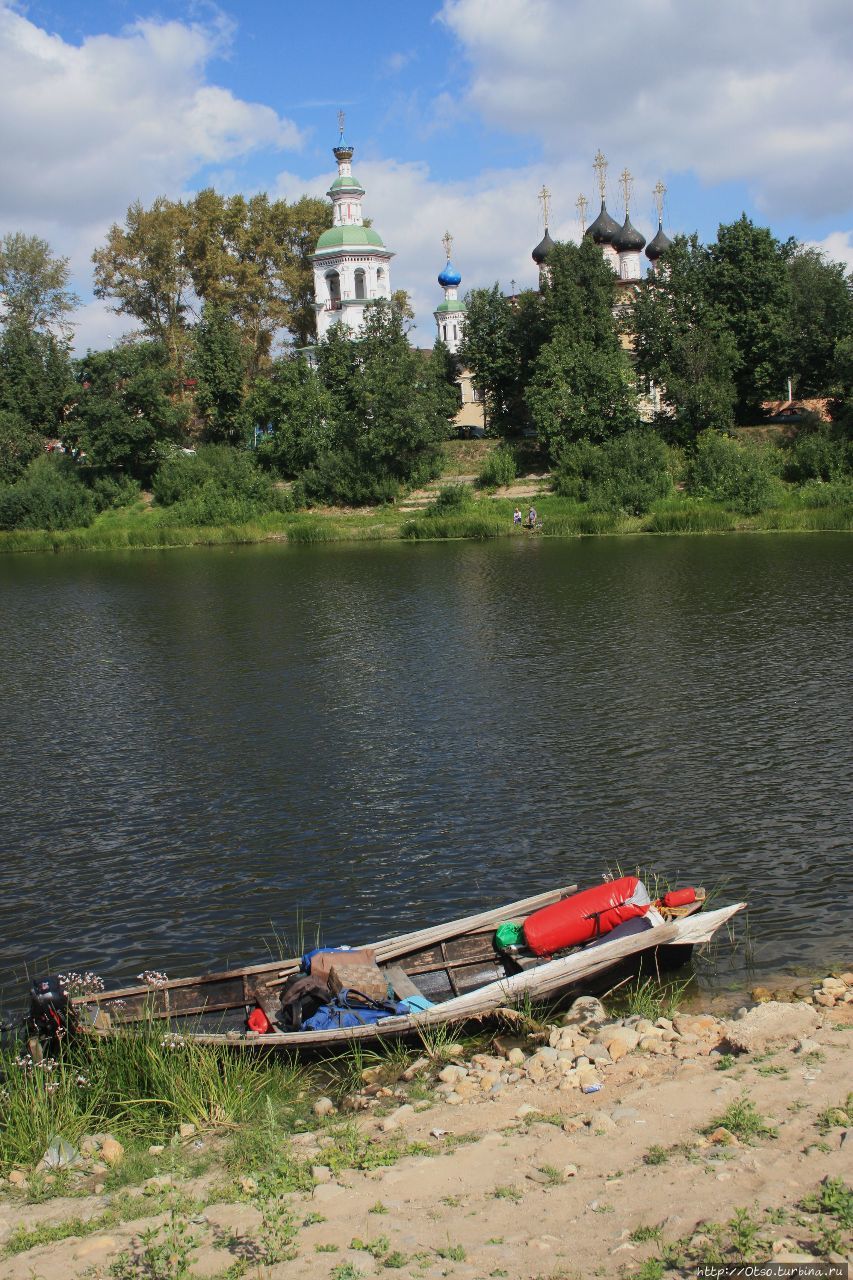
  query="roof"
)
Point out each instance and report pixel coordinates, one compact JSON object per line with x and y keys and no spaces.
{"x":604,"y":229}
{"x":796,"y":408}
{"x":337,"y":237}
{"x":658,"y":245}
{"x":451,"y":304}
{"x":628,"y":239}
{"x":347,"y":184}
{"x":543,"y":248}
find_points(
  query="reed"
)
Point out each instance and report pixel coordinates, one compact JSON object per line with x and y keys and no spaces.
{"x":139,"y":1085}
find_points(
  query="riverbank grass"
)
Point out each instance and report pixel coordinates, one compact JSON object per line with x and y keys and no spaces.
{"x":470,"y":515}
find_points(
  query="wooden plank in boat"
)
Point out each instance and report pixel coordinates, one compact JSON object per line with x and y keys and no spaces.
{"x":401,"y":982}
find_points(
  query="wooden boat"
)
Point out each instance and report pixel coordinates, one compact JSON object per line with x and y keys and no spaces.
{"x":455,"y":965}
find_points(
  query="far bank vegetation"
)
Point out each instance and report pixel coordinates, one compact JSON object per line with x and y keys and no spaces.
{"x":204,"y":426}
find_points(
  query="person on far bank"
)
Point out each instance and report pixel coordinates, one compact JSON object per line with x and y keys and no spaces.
{"x":516,"y":516}
{"x":531,"y":518}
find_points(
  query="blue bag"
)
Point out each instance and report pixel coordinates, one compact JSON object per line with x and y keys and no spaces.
{"x":350,"y":1008}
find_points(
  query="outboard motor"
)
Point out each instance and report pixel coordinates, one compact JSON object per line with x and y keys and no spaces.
{"x":51,"y":1017}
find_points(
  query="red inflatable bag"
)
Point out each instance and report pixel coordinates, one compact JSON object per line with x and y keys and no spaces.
{"x":679,"y":897}
{"x":585,"y":915}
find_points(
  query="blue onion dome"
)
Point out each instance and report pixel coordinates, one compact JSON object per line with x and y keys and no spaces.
{"x":543,"y":248}
{"x":605,"y":229}
{"x":449,"y":277}
{"x":343,"y":151}
{"x":659,"y":245}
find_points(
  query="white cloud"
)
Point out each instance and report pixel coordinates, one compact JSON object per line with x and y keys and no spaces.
{"x":737,"y":90}
{"x":89,"y":128}
{"x":838,"y":247}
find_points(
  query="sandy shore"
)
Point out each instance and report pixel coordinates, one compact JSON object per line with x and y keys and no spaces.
{"x":708,"y":1138}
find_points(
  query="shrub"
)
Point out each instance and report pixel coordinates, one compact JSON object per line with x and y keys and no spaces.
{"x":216,"y":485}
{"x":20,"y":444}
{"x":817,"y":493}
{"x":50,"y":495}
{"x":498,"y":469}
{"x":340,"y":479}
{"x":450,"y":500}
{"x":627,"y":473}
{"x":744,"y":477}
{"x":114,"y":491}
{"x":819,"y":451}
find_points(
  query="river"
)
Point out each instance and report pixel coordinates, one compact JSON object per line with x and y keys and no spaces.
{"x":208,"y":751}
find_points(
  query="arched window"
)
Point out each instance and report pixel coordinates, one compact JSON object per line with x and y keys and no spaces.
{"x":454,"y":333}
{"x":333,"y":283}
{"x":360,"y":291}
{"x":380,"y":282}
{"x":444,"y":333}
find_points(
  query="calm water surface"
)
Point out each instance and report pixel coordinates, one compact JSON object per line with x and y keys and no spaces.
{"x":202,"y":747}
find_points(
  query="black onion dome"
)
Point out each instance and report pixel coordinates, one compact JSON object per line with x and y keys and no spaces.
{"x":604,"y":229}
{"x":628,"y":238}
{"x":543,"y":248}
{"x":659,"y":245}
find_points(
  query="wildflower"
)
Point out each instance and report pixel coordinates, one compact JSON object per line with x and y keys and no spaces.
{"x":173,"y":1041}
{"x":52,"y":1087}
{"x":153,"y":977}
{"x":81,"y":984}
{"x":82,"y":1080}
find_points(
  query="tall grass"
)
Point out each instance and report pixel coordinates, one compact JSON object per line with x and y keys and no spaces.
{"x":138,"y":1084}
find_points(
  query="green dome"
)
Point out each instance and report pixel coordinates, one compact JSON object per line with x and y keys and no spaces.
{"x":336,"y":237}
{"x":347,"y":184}
{"x":451,"y":304}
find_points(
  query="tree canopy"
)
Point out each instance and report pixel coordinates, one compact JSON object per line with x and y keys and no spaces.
{"x":34,"y":292}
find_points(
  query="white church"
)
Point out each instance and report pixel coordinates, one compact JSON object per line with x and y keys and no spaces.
{"x":351,"y":264}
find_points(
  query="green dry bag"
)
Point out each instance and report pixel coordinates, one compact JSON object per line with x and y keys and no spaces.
{"x":509,"y":935}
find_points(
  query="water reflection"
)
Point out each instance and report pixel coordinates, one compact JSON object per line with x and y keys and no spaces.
{"x":201,"y":745}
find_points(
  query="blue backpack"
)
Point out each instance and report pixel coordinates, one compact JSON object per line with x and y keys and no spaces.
{"x":351,"y":1008}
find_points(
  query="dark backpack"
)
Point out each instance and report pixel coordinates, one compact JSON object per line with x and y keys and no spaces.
{"x":301,"y":997}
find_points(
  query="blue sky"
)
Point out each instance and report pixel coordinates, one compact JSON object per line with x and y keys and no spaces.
{"x":459,"y":110}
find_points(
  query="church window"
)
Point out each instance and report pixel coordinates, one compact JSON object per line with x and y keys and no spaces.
{"x":359,"y":284}
{"x":454,"y":333}
{"x":333,"y":283}
{"x":444,"y":333}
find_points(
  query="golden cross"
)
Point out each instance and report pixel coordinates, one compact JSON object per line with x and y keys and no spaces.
{"x":341,"y":118}
{"x":599,"y":164}
{"x":582,"y":204}
{"x":627,"y":182}
{"x":659,"y":191}
{"x":447,"y":241}
{"x":545,"y":201}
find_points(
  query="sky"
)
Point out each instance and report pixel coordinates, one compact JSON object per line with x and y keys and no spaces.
{"x":459,"y":111}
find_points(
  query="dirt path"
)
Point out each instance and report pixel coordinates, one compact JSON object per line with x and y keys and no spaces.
{"x":533,"y":1179}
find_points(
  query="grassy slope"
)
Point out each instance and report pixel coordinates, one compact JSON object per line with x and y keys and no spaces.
{"x":142,"y":525}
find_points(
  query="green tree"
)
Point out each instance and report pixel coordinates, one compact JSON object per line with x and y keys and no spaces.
{"x":501,"y":341}
{"x":19,"y":445}
{"x":143,"y":269}
{"x":750,"y":282}
{"x":390,"y":408}
{"x":683,"y":345}
{"x":580,"y":392}
{"x":821,"y":318}
{"x":219,"y":366}
{"x":36,"y":381}
{"x":291,"y":399}
{"x":252,"y":257}
{"x":126,"y":407}
{"x":581,"y":386}
{"x":34,"y":289}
